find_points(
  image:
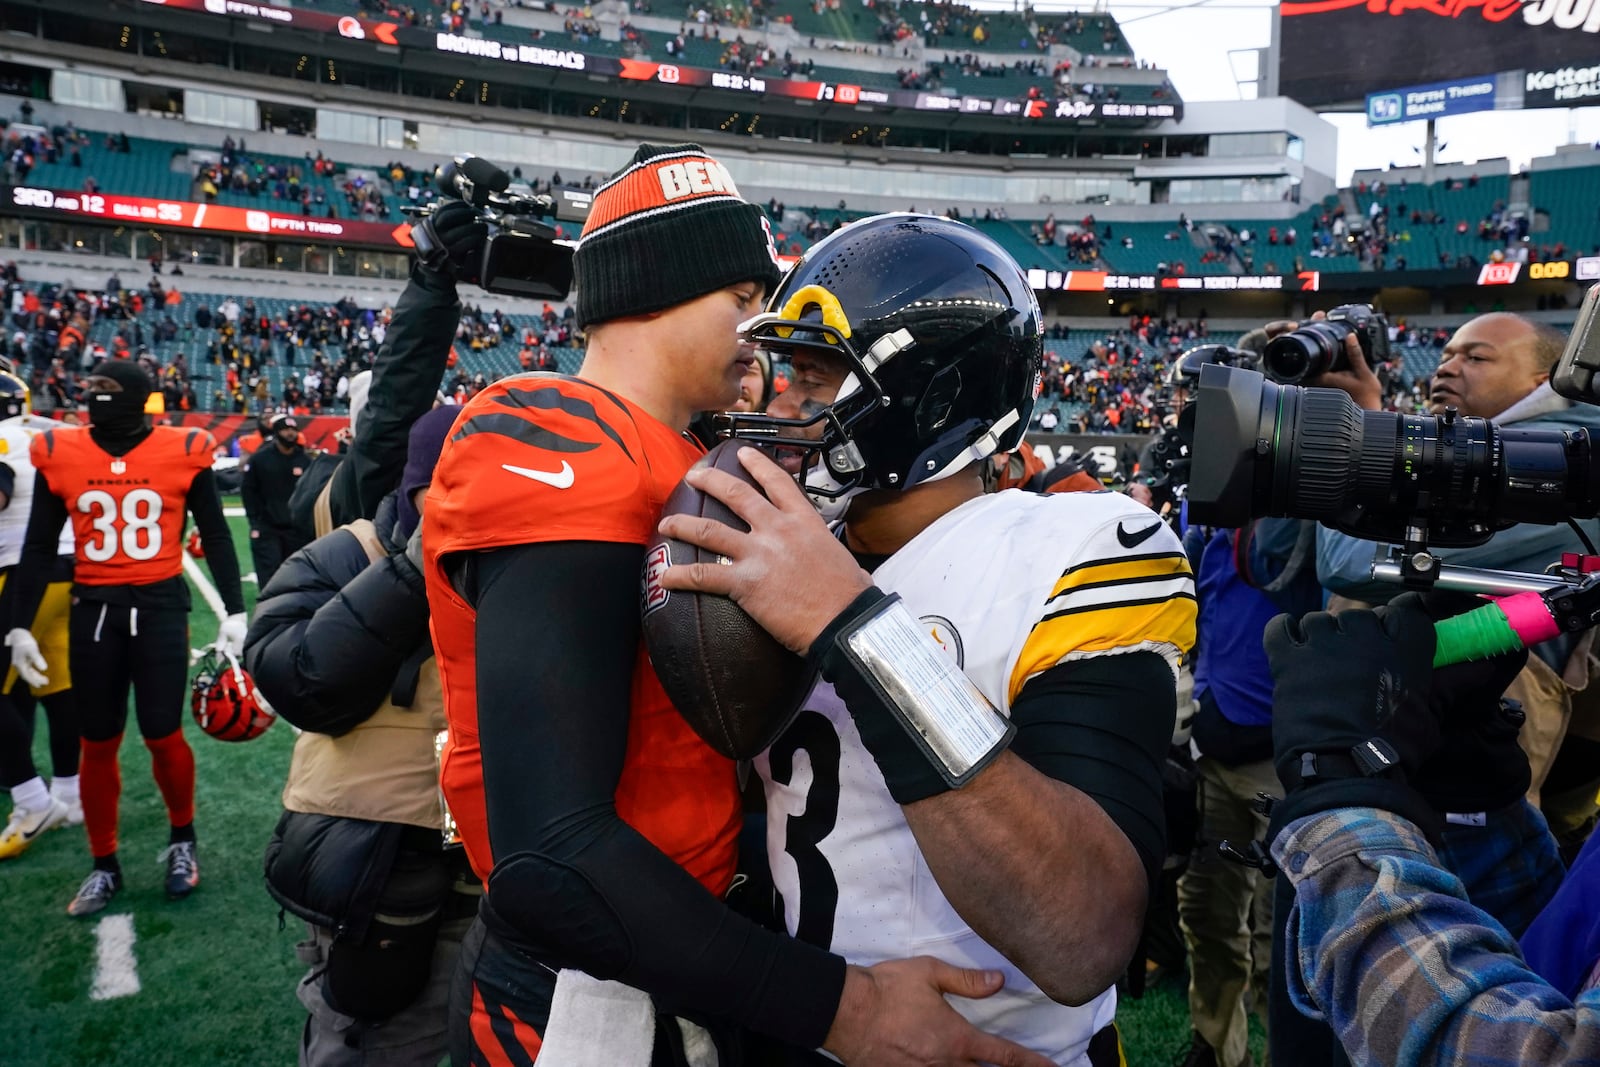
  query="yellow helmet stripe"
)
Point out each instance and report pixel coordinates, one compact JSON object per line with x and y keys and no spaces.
{"x":832,"y":311}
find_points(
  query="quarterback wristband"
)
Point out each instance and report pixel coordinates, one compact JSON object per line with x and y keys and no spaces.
{"x":927,"y":726}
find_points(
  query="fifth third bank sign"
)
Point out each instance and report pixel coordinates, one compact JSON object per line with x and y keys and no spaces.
{"x":1430,"y":101}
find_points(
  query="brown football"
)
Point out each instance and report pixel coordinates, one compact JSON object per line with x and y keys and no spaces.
{"x":730,"y":679}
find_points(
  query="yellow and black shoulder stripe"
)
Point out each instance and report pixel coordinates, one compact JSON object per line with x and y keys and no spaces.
{"x":1123,"y":601}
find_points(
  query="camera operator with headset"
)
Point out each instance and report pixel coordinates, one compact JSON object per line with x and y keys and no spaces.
{"x":1379,"y":938}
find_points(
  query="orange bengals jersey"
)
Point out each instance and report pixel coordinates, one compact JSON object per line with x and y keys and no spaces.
{"x":544,"y":458}
{"x":127,"y":511}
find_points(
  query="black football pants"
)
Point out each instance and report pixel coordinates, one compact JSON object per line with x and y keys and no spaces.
{"x":115,"y":648}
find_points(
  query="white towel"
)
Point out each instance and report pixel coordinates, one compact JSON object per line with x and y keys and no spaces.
{"x":597,"y":1024}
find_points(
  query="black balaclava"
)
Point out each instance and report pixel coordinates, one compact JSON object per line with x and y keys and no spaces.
{"x":119,"y":415}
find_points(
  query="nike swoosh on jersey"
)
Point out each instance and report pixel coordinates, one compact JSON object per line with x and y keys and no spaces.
{"x":1138,"y":537}
{"x":561,"y":479}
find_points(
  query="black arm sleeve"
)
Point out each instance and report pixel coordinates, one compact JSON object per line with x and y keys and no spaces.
{"x":1102,"y":725}
{"x":8,"y":484}
{"x":557,"y":637}
{"x":205,"y":504}
{"x":25,"y":588}
{"x":405,"y":380}
{"x":326,"y":645}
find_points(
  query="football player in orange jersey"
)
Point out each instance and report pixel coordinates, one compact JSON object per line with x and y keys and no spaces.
{"x":125,"y":486}
{"x":603,"y":827}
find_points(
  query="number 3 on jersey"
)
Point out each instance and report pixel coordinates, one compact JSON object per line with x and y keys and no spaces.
{"x":804,"y":833}
{"x":134,"y":527}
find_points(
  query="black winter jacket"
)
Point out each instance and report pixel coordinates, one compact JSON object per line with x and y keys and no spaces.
{"x":334,"y":636}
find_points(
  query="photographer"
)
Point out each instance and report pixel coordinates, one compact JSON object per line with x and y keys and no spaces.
{"x":1381,"y":940}
{"x":1496,"y":367}
{"x":1497,"y":843}
{"x":340,"y":647}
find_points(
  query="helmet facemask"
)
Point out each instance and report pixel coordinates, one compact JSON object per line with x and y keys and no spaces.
{"x":832,"y":466}
{"x":934,"y":338}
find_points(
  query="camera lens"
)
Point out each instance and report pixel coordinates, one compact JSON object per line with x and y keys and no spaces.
{"x":1312,"y":454}
{"x":1305,"y":353}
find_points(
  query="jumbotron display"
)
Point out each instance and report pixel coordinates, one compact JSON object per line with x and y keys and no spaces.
{"x":1337,"y":51}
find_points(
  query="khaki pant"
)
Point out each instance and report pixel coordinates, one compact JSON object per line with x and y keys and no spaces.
{"x":415,"y":1037}
{"x":1226,"y":910}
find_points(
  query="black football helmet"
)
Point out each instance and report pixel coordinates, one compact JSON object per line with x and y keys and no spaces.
{"x":942,"y":338}
{"x":13,"y":396}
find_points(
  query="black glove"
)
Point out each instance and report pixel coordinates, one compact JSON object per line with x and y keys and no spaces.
{"x":459,"y":236}
{"x":1350,"y":714}
{"x":1479,"y":765}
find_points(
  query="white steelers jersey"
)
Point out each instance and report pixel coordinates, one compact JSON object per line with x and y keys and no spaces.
{"x":16,"y":434}
{"x":1010,"y":585}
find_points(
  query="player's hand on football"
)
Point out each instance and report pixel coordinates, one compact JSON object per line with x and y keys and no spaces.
{"x":27,"y":658}
{"x":789,"y":572}
{"x":895,"y":1014}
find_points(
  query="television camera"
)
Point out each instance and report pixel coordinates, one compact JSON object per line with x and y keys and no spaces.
{"x":523,"y":256}
{"x":1414,"y":481}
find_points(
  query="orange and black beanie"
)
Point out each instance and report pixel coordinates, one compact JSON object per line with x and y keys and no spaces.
{"x":668,"y":227}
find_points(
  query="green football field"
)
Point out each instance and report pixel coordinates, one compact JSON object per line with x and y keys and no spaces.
{"x":216,"y":972}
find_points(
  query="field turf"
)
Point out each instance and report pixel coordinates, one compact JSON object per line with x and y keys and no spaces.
{"x":217,"y":971}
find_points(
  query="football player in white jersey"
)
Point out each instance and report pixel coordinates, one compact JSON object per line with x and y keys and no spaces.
{"x":35,"y":808}
{"x":976,"y":774}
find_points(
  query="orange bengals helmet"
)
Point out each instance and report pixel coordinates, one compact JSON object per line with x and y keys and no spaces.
{"x":225,"y":700}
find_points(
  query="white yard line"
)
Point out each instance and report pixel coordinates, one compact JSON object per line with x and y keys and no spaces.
{"x":116,"y":972}
{"x":233,"y":513}
{"x":208,"y":592}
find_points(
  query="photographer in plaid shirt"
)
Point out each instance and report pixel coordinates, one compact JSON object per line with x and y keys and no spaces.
{"x":1381,"y":941}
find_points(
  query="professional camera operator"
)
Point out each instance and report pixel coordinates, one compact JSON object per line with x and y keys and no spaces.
{"x":1498,"y":844}
{"x":1381,"y":940}
{"x":340,"y":647}
{"x":1497,"y":367}
{"x":409,"y":367}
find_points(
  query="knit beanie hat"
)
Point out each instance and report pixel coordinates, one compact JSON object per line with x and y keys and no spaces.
{"x":668,"y":227}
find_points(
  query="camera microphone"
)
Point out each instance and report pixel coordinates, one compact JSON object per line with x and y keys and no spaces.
{"x":483,"y":174}
{"x":473,"y":179}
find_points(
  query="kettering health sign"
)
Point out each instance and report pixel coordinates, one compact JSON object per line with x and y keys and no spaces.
{"x":1430,"y":101}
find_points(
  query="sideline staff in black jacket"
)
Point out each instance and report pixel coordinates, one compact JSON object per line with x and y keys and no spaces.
{"x":269,"y":480}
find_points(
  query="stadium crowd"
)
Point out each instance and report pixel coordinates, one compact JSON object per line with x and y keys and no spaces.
{"x":237,"y":171}
{"x":238,"y":358}
{"x":234,"y":357}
